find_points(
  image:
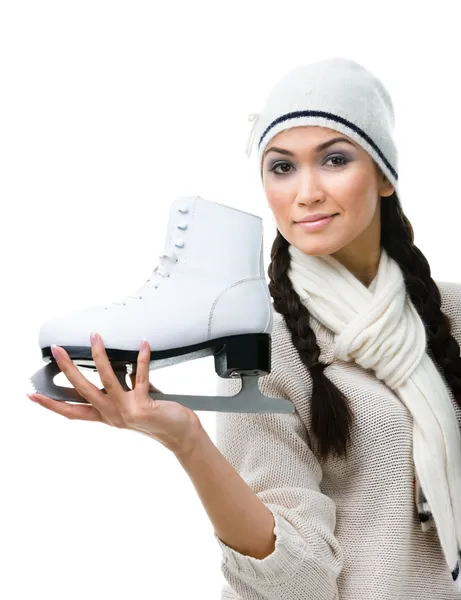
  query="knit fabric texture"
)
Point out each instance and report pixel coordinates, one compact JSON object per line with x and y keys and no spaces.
{"x":337,"y":93}
{"x":345,"y":528}
{"x":378,"y":327}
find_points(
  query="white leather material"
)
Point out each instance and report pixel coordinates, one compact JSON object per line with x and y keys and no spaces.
{"x":217,"y":288}
{"x":236,"y":310}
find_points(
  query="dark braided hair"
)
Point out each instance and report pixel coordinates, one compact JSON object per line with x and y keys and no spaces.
{"x":331,"y":414}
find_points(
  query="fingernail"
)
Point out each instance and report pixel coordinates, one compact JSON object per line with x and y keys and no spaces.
{"x":143,"y":345}
{"x":54,"y":351}
{"x":94,"y":339}
{"x":31,"y":397}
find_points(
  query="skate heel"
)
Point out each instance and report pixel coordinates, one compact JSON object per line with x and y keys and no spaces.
{"x":247,"y":354}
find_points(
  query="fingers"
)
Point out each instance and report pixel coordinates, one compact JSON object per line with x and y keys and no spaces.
{"x":151,"y":387}
{"x":83,"y":412}
{"x":106,"y":372}
{"x":141,"y":384}
{"x":81,"y":384}
{"x":141,"y":377}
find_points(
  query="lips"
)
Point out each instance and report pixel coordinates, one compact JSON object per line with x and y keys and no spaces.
{"x":317,"y":224}
{"x":310,"y":220}
{"x":315,"y":220}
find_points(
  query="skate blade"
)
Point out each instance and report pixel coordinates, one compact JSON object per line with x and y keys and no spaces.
{"x":43,"y":383}
{"x":248,"y":400}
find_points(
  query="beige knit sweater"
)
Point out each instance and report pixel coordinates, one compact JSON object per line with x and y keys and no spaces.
{"x":345,"y":530}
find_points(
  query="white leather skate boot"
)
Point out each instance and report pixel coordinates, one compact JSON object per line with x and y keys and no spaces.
{"x":207,"y":296}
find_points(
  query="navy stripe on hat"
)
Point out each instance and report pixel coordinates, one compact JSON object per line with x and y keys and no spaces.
{"x":332,"y":117}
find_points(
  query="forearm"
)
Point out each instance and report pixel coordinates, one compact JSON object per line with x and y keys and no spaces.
{"x":240,"y":519}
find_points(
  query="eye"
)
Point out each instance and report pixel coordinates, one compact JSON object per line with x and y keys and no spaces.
{"x":283,"y":164}
{"x":279,"y":164}
{"x":341,"y":157}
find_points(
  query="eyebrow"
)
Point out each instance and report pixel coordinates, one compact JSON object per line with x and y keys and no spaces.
{"x":319,"y":148}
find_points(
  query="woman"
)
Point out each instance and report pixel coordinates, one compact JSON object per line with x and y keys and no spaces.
{"x":357,"y":493}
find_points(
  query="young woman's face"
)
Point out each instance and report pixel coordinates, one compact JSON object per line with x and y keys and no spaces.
{"x":341,"y":180}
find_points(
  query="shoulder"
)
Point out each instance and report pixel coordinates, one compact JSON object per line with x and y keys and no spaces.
{"x":284,"y":353}
{"x":280,"y":329}
{"x":450,"y":293}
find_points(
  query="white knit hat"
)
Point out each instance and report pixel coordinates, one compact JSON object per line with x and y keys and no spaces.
{"x":337,"y":93}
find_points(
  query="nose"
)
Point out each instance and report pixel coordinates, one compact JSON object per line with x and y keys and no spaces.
{"x":309,"y":190}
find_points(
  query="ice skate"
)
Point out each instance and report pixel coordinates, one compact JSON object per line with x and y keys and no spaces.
{"x":208,"y":296}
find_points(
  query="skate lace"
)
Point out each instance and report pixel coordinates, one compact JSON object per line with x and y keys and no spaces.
{"x":255,"y":118}
{"x":168,"y":256}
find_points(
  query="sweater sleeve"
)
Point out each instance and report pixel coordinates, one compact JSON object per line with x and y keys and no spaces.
{"x":272,"y":454}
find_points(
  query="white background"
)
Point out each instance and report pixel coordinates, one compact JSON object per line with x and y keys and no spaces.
{"x":109,"y":111}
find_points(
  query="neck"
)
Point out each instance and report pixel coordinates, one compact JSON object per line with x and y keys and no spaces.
{"x":362,"y":264}
{"x":361,"y":256}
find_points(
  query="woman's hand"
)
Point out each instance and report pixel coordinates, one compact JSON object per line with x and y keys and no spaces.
{"x":175,"y":426}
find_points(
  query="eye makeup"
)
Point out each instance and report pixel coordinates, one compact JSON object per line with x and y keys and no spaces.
{"x":342,"y":157}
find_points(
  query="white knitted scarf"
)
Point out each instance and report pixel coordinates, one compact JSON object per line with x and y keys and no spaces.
{"x":379,"y":328}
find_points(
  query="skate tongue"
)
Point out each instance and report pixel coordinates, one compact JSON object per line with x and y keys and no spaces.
{"x":176,"y":221}
{"x":159,"y":271}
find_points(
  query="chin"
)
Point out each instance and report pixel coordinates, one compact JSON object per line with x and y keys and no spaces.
{"x":318,"y":247}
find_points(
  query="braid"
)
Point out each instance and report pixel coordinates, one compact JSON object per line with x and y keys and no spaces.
{"x":397,"y":238}
{"x":331,"y":414}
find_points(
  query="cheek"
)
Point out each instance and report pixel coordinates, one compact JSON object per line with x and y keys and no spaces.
{"x":358,"y":217}
{"x":280,"y":210}
{"x":351,"y":186}
{"x":279,"y":190}
{"x":359,"y":200}
{"x":280,"y":204}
